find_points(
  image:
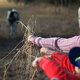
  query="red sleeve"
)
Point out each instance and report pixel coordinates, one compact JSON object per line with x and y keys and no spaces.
{"x":52,"y":70}
{"x":63,"y":60}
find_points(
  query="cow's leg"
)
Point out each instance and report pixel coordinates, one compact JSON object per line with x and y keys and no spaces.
{"x":14,"y":29}
{"x":9,"y":28}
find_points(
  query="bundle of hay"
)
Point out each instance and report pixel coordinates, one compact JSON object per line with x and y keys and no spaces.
{"x":22,"y":60}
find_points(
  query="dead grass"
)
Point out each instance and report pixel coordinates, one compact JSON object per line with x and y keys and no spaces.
{"x":4,"y":3}
{"x":47,"y":23}
{"x":23,"y":57}
{"x":56,"y":24}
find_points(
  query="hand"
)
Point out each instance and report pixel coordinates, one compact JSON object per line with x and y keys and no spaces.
{"x":36,"y":62}
{"x":31,"y":38}
{"x":77,"y":70}
{"x":46,"y":51}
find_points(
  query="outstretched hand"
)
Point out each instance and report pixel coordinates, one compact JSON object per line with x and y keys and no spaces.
{"x":46,"y":51}
{"x":31,"y":38}
{"x":36,"y":62}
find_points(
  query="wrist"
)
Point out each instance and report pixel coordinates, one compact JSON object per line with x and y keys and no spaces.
{"x":51,"y":52}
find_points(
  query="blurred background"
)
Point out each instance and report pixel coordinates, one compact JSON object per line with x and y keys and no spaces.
{"x":57,"y":17}
{"x":54,"y":18}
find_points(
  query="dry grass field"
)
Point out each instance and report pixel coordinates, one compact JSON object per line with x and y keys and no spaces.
{"x":48,"y":24}
{"x":64,"y":24}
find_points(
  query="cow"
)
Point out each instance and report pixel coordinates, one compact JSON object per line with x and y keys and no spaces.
{"x":12,"y":18}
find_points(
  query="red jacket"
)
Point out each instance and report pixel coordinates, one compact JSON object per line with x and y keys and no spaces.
{"x":52,"y":70}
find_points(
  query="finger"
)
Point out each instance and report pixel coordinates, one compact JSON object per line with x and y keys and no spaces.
{"x":48,"y":56}
{"x":34,"y":64}
{"x":30,"y":41}
{"x":41,"y":53}
{"x":42,"y":50}
{"x":31,"y":36}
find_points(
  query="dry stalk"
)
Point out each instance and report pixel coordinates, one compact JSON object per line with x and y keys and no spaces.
{"x":4,"y":76}
{"x":25,"y":55}
{"x":11,"y":51}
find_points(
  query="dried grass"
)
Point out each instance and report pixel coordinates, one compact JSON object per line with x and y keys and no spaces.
{"x":24,"y":56}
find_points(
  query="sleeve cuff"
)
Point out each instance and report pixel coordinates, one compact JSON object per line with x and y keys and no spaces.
{"x":36,"y":40}
{"x":43,"y":62}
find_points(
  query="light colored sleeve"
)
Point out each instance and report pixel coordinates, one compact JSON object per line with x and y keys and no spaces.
{"x":46,"y":42}
{"x":57,"y":43}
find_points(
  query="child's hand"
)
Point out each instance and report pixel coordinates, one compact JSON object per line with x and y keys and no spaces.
{"x":46,"y":51}
{"x":36,"y":62}
{"x":31,"y":38}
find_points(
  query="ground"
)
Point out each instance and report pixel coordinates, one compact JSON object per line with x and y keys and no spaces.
{"x":48,"y":24}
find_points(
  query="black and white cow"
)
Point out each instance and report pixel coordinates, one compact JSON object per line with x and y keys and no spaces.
{"x":12,"y":18}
